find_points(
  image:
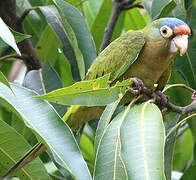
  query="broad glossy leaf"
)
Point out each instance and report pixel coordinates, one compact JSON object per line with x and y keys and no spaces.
{"x":54,"y":19}
{"x":132,"y":146}
{"x":142,"y":139}
{"x":49,"y":127}
{"x":89,"y":93}
{"x":81,"y":30}
{"x":7,"y":36}
{"x":11,"y":152}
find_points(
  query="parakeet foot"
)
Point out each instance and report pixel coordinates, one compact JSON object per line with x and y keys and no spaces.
{"x":160,"y":98}
{"x":139,"y":86}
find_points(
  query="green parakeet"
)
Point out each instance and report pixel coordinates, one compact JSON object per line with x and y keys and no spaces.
{"x":147,"y":54}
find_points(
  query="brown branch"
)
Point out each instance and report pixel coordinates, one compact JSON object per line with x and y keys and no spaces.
{"x":118,"y":6}
{"x":11,"y":17}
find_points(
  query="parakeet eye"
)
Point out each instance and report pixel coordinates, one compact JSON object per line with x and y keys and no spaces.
{"x":166,"y":31}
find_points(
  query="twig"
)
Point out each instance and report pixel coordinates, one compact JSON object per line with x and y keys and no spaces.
{"x":26,"y":12}
{"x":12,"y":56}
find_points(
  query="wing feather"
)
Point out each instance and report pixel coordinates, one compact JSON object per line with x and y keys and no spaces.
{"x":117,"y":56}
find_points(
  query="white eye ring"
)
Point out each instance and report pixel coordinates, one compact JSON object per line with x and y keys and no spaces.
{"x":166,"y":31}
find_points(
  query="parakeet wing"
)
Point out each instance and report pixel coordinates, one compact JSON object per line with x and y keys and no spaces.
{"x":118,"y":56}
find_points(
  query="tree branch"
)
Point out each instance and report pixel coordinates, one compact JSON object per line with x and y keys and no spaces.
{"x":11,"y":17}
{"x":118,"y":6}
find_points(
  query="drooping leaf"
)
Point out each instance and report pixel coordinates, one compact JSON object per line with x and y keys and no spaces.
{"x":89,"y":93}
{"x":7,"y":36}
{"x":132,"y":146}
{"x":55,"y":20}
{"x":11,"y":152}
{"x":49,"y":127}
{"x":81,"y":30}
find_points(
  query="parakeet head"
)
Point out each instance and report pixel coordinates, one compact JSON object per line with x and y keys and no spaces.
{"x":171,"y":30}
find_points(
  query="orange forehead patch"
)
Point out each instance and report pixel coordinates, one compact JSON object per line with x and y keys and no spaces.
{"x":178,"y":30}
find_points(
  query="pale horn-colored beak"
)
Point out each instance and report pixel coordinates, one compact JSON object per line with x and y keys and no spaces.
{"x":180,"y":43}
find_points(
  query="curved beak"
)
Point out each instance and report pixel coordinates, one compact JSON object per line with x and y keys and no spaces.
{"x":180,"y":43}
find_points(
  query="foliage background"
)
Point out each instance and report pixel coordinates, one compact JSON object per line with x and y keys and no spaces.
{"x":66,"y":38}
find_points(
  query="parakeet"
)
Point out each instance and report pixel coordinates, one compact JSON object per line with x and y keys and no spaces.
{"x":147,"y":54}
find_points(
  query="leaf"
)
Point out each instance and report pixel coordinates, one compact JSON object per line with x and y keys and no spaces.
{"x":49,"y":127}
{"x":163,"y":8}
{"x":4,"y":80}
{"x":81,"y":30}
{"x":88,"y":93}
{"x":134,"y":20}
{"x":7,"y":36}
{"x":54,"y":19}
{"x":52,"y":52}
{"x":44,"y":81}
{"x":91,"y":9}
{"x":167,"y":9}
{"x":132,"y":146}
{"x":189,"y":174}
{"x":169,"y":147}
{"x":104,"y":122}
{"x":11,"y":152}
{"x":142,"y":142}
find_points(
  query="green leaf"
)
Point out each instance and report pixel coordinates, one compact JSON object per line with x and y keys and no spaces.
{"x":104,"y":122}
{"x":44,"y":81}
{"x":11,"y":152}
{"x":161,"y":8}
{"x":134,"y":20}
{"x":132,"y":146}
{"x":142,"y":139}
{"x":91,"y":9}
{"x":189,"y":174}
{"x":89,"y":93}
{"x":49,"y":127}
{"x":167,"y":9}
{"x":4,"y":80}
{"x":68,"y":39}
{"x":169,"y":146}
{"x":7,"y":36}
{"x":52,"y":52}
{"x":81,"y":30}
